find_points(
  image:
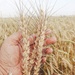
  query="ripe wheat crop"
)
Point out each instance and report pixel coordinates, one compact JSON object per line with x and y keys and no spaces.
{"x":62,"y":60}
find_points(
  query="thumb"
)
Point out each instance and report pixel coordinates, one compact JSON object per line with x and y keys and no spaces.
{"x":15,"y":37}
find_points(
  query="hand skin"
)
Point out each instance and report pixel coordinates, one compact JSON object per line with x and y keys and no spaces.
{"x":11,"y":53}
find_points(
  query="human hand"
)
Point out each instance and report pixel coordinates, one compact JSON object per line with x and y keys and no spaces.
{"x":47,"y":41}
{"x":11,"y":53}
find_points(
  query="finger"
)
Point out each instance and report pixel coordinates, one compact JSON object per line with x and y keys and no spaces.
{"x":47,"y":51}
{"x":44,"y":51}
{"x":51,"y":40}
{"x":32,"y":47}
{"x":43,"y":59}
{"x":32,"y":39}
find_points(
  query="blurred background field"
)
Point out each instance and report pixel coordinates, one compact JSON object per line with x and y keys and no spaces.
{"x":62,"y":60}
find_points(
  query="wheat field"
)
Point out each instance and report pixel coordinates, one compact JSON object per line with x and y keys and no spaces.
{"x":62,"y":60}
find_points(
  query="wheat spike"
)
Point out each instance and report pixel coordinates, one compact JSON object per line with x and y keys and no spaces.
{"x":39,"y":42}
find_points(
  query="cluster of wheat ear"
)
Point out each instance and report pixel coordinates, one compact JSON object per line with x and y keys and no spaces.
{"x":36,"y":56}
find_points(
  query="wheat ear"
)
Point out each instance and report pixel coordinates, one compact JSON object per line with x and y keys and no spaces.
{"x":23,"y":28}
{"x":39,"y":42}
